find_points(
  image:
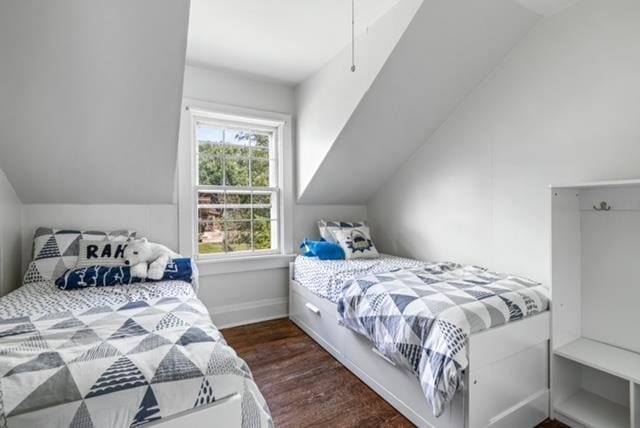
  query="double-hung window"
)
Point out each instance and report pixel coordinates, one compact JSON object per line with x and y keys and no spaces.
{"x":236,"y":185}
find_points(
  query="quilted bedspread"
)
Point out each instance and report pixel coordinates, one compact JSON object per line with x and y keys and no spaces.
{"x":421,"y":318}
{"x":114,"y":357}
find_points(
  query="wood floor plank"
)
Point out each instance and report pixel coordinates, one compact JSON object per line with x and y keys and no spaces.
{"x":305,"y":386}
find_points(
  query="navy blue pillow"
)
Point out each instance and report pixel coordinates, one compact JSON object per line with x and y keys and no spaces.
{"x":323,"y":250}
{"x":103,"y":276}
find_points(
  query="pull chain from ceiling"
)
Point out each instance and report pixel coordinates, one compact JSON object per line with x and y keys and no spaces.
{"x":353,"y":36}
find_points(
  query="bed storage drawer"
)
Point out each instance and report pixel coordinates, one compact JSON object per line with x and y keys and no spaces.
{"x":319,"y":316}
{"x":380,"y":373}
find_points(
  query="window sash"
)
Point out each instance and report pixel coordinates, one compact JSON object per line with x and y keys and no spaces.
{"x":273,"y":189}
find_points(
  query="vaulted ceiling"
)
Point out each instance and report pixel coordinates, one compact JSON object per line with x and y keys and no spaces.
{"x":447,"y":50}
{"x":91,"y":90}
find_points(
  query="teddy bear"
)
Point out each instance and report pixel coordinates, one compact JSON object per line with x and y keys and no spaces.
{"x":147,"y":259}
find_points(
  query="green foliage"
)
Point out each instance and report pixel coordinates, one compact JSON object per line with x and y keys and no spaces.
{"x":244,"y":162}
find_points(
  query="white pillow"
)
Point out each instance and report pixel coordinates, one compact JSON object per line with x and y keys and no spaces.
{"x":356,"y":243}
{"x":109,"y":252}
{"x":327,"y":227}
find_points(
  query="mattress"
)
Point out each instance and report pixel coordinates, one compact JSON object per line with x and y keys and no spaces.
{"x":115,"y":357}
{"x":325,"y":278}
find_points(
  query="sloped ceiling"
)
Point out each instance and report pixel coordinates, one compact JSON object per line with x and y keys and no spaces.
{"x":91,"y":94}
{"x":446,"y":51}
{"x":281,"y":40}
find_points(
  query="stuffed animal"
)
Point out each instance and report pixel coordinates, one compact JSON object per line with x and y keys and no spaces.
{"x":147,"y":259}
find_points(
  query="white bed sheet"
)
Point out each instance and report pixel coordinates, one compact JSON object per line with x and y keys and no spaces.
{"x":326,"y":277}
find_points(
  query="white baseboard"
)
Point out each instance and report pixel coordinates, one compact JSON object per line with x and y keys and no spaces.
{"x":250,"y":312}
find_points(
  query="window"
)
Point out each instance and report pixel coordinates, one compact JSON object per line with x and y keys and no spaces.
{"x":237,"y":192}
{"x":235,"y":186}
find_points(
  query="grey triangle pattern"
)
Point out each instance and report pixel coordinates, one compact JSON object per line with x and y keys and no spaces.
{"x":68,"y":323}
{"x":44,"y":361}
{"x":205,"y":395}
{"x":82,"y":418}
{"x":122,"y":374}
{"x":170,"y":321}
{"x":35,"y":343}
{"x":152,"y":341}
{"x":33,"y":274}
{"x":50,"y":249}
{"x":58,"y":389}
{"x":73,"y":249}
{"x":128,"y":329}
{"x":85,"y":336}
{"x":175,"y":366}
{"x":102,"y":350}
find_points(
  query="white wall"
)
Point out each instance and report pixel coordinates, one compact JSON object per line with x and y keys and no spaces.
{"x":10,"y":238}
{"x":238,"y":297}
{"x":91,"y":96}
{"x":563,"y":107}
{"x":327,"y":99}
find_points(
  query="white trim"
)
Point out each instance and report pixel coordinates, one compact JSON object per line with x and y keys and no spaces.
{"x":249,"y":312}
{"x":598,"y":184}
{"x":207,"y":267}
{"x":186,"y":184}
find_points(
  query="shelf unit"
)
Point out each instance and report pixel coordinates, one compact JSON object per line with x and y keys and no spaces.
{"x":593,"y":410}
{"x":595,"y":359}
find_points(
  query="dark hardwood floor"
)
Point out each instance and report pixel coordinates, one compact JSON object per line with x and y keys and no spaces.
{"x":305,"y":386}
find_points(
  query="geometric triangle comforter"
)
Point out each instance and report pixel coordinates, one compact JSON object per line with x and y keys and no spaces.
{"x":115,"y":357}
{"x":421,"y":318}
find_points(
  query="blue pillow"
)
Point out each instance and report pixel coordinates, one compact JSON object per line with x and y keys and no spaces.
{"x":105,"y":276}
{"x":323,"y":250}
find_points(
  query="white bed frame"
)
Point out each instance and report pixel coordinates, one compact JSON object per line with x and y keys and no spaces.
{"x":226,"y":412}
{"x":506,"y":383}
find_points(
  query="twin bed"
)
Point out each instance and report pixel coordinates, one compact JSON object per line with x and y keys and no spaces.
{"x":448,"y":345}
{"x":129,"y":355}
{"x":460,"y":342}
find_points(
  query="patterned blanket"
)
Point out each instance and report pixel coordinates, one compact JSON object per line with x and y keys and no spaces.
{"x":114,"y":357}
{"x":421,"y":318}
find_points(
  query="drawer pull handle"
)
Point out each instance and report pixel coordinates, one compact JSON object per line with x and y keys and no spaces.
{"x":384,"y":357}
{"x":312,"y":308}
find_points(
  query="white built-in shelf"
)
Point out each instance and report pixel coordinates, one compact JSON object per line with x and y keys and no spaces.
{"x":609,"y":359}
{"x":594,"y":411}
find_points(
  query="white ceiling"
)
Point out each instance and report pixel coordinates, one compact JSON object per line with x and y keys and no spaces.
{"x":282,"y":40}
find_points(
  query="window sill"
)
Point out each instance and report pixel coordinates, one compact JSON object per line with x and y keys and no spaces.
{"x":207,"y":267}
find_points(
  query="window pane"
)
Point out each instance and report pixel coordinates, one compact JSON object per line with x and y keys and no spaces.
{"x":259,"y":153}
{"x":236,"y":172}
{"x":208,"y":134}
{"x":262,"y":235}
{"x":209,"y":170}
{"x":238,"y":213}
{"x":240,"y":198}
{"x":238,"y":236}
{"x":260,"y":141}
{"x":260,"y":173}
{"x":210,"y":231}
{"x":210,"y":198}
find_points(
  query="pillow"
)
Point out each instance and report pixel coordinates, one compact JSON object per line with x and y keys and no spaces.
{"x":323,"y":250}
{"x":104,"y":276}
{"x":56,"y":250}
{"x":326,"y":228}
{"x":356,"y":243}
{"x":109,"y":253}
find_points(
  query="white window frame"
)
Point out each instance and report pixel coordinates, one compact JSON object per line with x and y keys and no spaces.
{"x":195,"y":111}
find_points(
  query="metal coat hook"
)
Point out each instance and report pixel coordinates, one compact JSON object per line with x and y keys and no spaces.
{"x":603,"y":207}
